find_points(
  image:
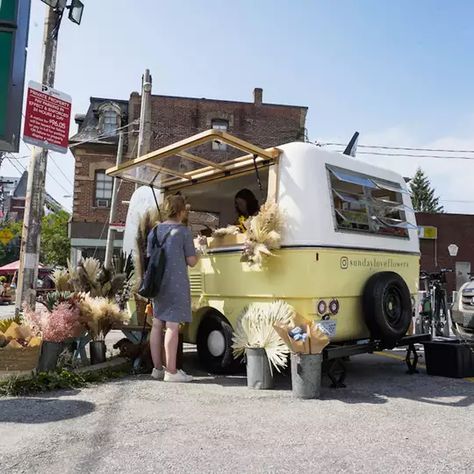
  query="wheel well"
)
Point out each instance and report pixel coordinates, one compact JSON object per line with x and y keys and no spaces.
{"x":205,"y":312}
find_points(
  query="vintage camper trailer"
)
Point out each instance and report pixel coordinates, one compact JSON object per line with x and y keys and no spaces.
{"x":349,"y":251}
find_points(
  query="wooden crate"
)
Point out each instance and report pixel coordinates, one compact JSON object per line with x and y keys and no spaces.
{"x":25,"y":358}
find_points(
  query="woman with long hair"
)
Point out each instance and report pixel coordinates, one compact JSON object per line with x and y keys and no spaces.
{"x":172,"y":306}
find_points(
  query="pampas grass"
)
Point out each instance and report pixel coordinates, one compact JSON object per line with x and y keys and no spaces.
{"x":147,"y":221}
{"x":263,"y":235}
{"x":99,"y":315}
{"x":254,"y":329}
{"x":61,"y":279}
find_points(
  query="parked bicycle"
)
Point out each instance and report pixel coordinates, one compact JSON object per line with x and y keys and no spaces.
{"x":434,"y":317}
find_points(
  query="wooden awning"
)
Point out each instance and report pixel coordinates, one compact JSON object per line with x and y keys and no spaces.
{"x":151,"y":169}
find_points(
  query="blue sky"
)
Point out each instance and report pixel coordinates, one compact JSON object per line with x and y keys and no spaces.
{"x":400,"y":72}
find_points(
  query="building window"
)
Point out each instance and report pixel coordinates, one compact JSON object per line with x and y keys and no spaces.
{"x":222,"y":125}
{"x":109,"y":122}
{"x":103,"y":189}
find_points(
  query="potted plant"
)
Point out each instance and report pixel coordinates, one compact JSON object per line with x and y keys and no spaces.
{"x":255,"y":337}
{"x":99,"y":315}
{"x":55,"y":323}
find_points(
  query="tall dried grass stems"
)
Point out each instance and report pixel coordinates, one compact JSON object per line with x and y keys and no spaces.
{"x":264,"y":234}
{"x":147,"y":221}
{"x":254,"y":329}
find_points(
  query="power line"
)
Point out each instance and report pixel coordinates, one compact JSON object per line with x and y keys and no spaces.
{"x":47,"y":172}
{"x":61,"y":171}
{"x":404,"y":148}
{"x":412,"y":155}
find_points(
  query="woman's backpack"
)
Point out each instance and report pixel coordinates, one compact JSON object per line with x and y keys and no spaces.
{"x":155,"y":268}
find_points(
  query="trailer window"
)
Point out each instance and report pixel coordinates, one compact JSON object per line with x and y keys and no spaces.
{"x":367,"y":204}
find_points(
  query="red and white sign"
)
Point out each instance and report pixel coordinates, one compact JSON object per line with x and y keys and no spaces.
{"x":48,"y":113}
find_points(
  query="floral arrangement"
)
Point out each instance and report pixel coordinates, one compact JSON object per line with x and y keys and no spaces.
{"x":263,"y":234}
{"x":61,"y":323}
{"x":99,"y":315}
{"x":229,"y":230}
{"x":254,"y":329}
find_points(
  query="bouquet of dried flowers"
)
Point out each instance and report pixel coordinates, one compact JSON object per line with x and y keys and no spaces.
{"x":99,"y":315}
{"x":263,"y":235}
{"x":254,"y":329}
{"x":61,"y":323}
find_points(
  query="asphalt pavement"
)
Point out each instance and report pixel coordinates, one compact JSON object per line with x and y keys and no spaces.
{"x":384,"y":421}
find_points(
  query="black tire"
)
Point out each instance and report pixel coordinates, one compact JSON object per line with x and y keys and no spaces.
{"x":216,"y":359}
{"x":387,"y":306}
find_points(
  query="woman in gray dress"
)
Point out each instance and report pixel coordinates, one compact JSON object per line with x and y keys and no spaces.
{"x":172,"y":306}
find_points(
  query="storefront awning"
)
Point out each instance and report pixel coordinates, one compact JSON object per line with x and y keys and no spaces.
{"x":161,"y":169}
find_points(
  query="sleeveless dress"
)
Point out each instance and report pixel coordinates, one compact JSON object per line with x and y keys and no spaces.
{"x":173,"y":303}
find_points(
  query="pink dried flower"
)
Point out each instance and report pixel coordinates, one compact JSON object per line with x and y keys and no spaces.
{"x":61,"y":324}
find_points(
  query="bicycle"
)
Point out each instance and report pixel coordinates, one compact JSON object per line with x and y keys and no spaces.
{"x":434,"y":317}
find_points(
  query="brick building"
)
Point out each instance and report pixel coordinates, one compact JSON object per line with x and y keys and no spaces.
{"x":94,"y":147}
{"x":451,"y":229}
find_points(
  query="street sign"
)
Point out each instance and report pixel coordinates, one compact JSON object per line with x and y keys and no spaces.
{"x":5,"y":236}
{"x":427,"y":232}
{"x":48,"y":113}
{"x":14,"y":23}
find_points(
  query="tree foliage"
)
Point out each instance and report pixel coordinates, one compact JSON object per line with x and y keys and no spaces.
{"x":55,"y":243}
{"x":423,"y":194}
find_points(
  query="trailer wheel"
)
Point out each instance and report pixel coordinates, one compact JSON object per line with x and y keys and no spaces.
{"x":214,"y":345}
{"x":387,"y":306}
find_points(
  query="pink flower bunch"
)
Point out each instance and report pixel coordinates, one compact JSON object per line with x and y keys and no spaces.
{"x":62,"y":323}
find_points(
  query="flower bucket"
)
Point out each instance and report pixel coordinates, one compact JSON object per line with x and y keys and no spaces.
{"x":97,"y":352}
{"x":49,"y":355}
{"x":259,"y":375}
{"x":306,"y":375}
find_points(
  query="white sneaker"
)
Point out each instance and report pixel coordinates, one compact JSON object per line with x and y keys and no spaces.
{"x":180,"y":376}
{"x":158,"y":374}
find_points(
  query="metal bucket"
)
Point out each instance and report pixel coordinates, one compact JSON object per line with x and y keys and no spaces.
{"x":306,"y":375}
{"x":97,"y":352}
{"x":259,"y":376}
{"x":49,"y":355}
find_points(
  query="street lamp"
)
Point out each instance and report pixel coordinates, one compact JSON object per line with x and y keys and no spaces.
{"x":453,"y":250}
{"x":76,"y":8}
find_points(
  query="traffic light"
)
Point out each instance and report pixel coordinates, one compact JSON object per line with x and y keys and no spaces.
{"x":14,"y":23}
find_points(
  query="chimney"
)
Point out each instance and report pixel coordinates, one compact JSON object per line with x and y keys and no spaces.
{"x":79,"y":119}
{"x":257,"y":96}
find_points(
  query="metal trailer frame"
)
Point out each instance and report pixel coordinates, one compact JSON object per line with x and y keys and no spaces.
{"x":334,"y":355}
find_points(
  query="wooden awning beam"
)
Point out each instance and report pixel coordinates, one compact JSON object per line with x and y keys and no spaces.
{"x":195,"y":140}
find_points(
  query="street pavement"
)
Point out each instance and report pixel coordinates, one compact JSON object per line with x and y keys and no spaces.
{"x":7,"y":311}
{"x":384,"y":421}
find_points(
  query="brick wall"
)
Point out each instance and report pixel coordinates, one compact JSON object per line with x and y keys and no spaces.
{"x":173,"y":119}
{"x":452,"y":228}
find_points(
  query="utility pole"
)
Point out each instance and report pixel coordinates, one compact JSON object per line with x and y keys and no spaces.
{"x":35,"y":194}
{"x":144,"y":135}
{"x":30,"y":239}
{"x":109,"y":249}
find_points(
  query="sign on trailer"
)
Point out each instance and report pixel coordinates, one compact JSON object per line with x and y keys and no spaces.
{"x":48,"y":113}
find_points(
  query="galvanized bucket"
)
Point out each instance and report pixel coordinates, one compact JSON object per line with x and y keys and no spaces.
{"x":259,"y":375}
{"x":49,"y":355}
{"x":97,"y":352}
{"x":306,"y":375}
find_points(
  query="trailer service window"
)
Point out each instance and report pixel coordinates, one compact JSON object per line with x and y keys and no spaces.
{"x":367,"y":204}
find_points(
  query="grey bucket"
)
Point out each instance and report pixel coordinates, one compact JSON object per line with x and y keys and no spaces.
{"x":306,"y":375}
{"x":259,"y":376}
{"x":97,"y":352}
{"x":49,"y":355}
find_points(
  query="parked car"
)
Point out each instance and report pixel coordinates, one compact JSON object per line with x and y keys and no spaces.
{"x":462,"y":312}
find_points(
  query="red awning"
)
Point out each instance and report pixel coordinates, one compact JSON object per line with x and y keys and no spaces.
{"x":11,"y":268}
